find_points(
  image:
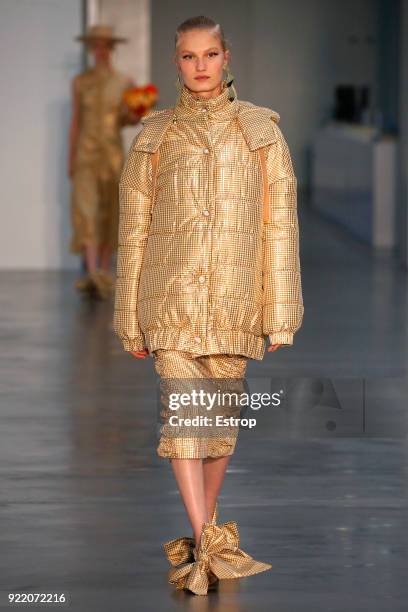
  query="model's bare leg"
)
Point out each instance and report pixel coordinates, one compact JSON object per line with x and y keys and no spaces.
{"x":214,"y":469}
{"x":105,"y":256}
{"x":91,"y":257}
{"x":190,"y":480}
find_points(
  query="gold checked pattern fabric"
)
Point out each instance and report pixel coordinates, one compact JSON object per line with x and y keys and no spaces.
{"x":218,"y":557}
{"x":200,"y":266}
{"x":214,"y":375}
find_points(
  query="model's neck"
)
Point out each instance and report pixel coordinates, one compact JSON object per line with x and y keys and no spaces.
{"x":103,"y":66}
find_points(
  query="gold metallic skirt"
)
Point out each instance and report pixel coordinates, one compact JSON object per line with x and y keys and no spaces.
{"x":94,"y":207}
{"x":201,"y":399}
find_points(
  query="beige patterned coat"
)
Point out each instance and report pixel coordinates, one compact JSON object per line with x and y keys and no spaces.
{"x":198,"y":269}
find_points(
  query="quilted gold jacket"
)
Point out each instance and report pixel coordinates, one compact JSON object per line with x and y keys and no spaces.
{"x":198,"y":269}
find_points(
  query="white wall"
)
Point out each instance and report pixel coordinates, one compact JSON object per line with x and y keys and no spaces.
{"x":38,"y":60}
{"x":300,"y":51}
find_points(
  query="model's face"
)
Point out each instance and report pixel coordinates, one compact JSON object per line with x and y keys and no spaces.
{"x":199,"y":53}
{"x":100,"y":49}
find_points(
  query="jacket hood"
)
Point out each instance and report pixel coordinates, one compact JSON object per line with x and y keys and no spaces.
{"x":258,"y":123}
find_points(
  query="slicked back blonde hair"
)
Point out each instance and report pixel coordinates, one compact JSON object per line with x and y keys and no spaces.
{"x":201,"y":23}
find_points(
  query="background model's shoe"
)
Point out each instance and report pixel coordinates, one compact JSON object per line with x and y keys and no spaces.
{"x":84,"y":283}
{"x":109,"y":278}
{"x":101,"y":288}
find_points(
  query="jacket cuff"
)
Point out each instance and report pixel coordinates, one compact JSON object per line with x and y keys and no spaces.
{"x":283,"y":337}
{"x":133,"y":344}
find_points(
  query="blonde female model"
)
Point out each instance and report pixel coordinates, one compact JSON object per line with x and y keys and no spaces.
{"x":208,"y":268}
{"x":96,"y":159}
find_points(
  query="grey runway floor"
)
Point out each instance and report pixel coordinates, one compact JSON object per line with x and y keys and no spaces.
{"x":318,"y":488}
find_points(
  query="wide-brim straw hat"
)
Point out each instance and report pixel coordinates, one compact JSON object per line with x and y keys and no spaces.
{"x":98,"y":32}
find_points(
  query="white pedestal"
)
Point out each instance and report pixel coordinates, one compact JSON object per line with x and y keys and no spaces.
{"x":354,"y":181}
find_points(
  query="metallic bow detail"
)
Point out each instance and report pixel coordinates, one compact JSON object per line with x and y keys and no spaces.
{"x":219,"y":555}
{"x":181,"y":550}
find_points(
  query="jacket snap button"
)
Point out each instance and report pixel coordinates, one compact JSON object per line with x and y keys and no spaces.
{"x":206,"y":212}
{"x":197,"y":339}
{"x":201,"y":279}
{"x":206,"y":150}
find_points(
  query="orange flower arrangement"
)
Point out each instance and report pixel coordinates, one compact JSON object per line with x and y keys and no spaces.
{"x":141,"y":99}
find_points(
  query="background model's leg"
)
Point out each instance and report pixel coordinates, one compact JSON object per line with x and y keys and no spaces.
{"x":91,"y":257}
{"x":105,"y":256}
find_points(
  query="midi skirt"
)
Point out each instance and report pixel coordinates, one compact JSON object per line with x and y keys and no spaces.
{"x":201,"y":400}
{"x":94,"y":207}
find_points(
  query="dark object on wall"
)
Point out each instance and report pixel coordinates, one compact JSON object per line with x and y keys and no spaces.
{"x":345,"y":103}
{"x":351,"y":102}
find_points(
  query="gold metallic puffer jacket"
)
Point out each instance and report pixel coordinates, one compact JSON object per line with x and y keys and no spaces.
{"x":198,"y":269}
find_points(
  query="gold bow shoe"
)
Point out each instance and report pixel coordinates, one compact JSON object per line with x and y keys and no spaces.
{"x":219,"y":555}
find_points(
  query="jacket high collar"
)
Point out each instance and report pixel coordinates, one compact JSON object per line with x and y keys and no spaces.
{"x":218,"y":108}
{"x":258,"y":124}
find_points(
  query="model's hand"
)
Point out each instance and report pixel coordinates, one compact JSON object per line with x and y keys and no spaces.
{"x":273,"y":347}
{"x":140,"y":354}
